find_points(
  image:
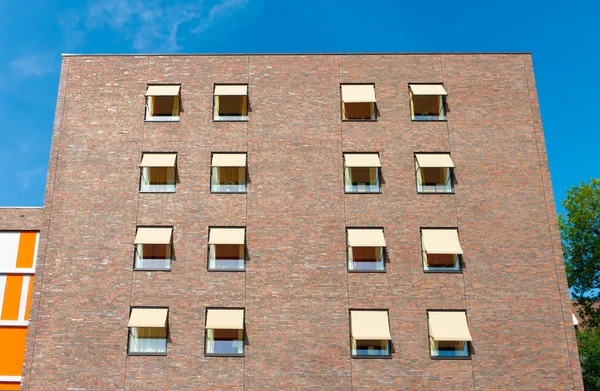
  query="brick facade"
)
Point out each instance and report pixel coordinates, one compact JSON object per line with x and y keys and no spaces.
{"x":296,"y":289}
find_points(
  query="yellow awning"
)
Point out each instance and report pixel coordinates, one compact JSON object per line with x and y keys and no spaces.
{"x":227,"y":236}
{"x":441,"y":241}
{"x":228,"y":160}
{"x":236,"y":90}
{"x":158,"y":160}
{"x":153,"y":235}
{"x":370,"y":325}
{"x":225,"y":319}
{"x":148,"y":317}
{"x":427,"y":89}
{"x":172,"y":90}
{"x":366,"y":237}
{"x":434,"y":160}
{"x":362,"y":160}
{"x":448,"y":326}
{"x":358,"y":93}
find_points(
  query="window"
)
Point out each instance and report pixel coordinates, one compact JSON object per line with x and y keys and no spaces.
{"x":162,"y":102}
{"x":224,"y":332}
{"x":361,"y":173}
{"x":441,"y":250}
{"x":434,"y":173}
{"x":228,"y":173}
{"x":227,"y":249}
{"x":153,"y":248}
{"x":148,"y":330}
{"x":449,"y":334}
{"x":370,"y":333}
{"x":427,"y":102}
{"x":230,"y":103}
{"x":366,"y":250}
{"x":358,"y":102}
{"x":158,"y":172}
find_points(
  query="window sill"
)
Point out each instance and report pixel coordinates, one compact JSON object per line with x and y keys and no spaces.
{"x":230,"y":120}
{"x":228,"y":192}
{"x":157,"y":192}
{"x":161,"y":119}
{"x":428,"y":120}
{"x":367,"y":271}
{"x":223,"y":355}
{"x":359,"y":120}
{"x":363,"y":192}
{"x":444,"y":271}
{"x":146,"y":354}
{"x":152,"y":270}
{"x":227,"y":270}
{"x":389,"y":356}
{"x":450,"y":358}
{"x":435,"y":192}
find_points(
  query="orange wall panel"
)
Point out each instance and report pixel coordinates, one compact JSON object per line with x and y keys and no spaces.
{"x":12,"y":340}
{"x":26,"y":249}
{"x":10,"y":386}
{"x":12,"y":297}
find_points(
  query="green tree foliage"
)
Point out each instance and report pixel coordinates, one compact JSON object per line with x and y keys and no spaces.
{"x":580,"y":231}
{"x":589,"y":353}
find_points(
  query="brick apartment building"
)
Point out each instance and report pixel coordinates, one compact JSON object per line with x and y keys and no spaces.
{"x":290,"y":222}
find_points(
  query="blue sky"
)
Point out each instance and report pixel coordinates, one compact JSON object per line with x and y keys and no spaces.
{"x":563,"y":37}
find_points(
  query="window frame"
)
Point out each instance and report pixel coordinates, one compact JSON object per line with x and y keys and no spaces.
{"x":459,"y":270}
{"x":215,"y":101}
{"x":147,"y":111}
{"x":154,"y":270}
{"x":244,"y":336}
{"x":211,"y":173}
{"x":429,"y":338}
{"x":129,"y":353}
{"x":451,"y":177}
{"x":389,"y":342}
{"x":444,"y":104}
{"x":375,"y":107}
{"x":378,"y":171}
{"x":227,"y":270}
{"x":384,"y":250}
{"x":175,"y":168}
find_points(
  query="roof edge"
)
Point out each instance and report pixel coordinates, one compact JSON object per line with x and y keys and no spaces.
{"x":285,"y":54}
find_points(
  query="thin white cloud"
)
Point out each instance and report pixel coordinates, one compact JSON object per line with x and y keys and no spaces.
{"x":73,"y":33}
{"x":219,"y":10}
{"x":32,"y":65}
{"x":148,"y":26}
{"x":24,"y":178}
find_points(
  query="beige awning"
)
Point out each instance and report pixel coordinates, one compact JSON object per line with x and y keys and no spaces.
{"x":231,"y":90}
{"x":158,"y":160}
{"x":370,"y":325}
{"x":441,"y":241}
{"x":448,"y":326}
{"x":366,"y":237}
{"x":358,"y":93}
{"x":227,"y":236}
{"x":435,"y":160}
{"x":228,"y":160}
{"x":428,"y":89}
{"x":172,"y":90}
{"x":153,"y":235}
{"x":225,"y":319}
{"x":362,"y":160}
{"x":148,"y":317}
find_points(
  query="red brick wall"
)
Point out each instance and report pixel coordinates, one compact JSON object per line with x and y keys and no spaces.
{"x":296,"y":290}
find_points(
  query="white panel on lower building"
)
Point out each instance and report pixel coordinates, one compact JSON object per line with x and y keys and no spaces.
{"x":9,"y":247}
